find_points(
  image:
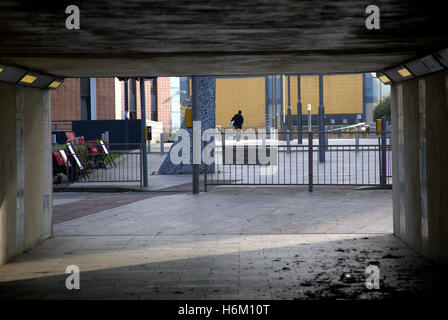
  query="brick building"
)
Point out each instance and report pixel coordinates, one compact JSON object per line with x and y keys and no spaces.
{"x":104,"y":99}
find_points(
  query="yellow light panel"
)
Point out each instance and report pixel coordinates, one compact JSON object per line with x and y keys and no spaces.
{"x":404,"y":73}
{"x":384,"y":79}
{"x":28,"y":79}
{"x":54,"y":84}
{"x":189,"y":118}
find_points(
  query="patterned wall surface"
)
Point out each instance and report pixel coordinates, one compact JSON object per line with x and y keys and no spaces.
{"x":206,"y":100}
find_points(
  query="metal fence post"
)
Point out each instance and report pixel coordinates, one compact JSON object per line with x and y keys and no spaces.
{"x":205,"y":170}
{"x":321,"y":120}
{"x":383,"y":151}
{"x":310,"y":161}
{"x":357,"y":140}
{"x":142,"y":169}
{"x":196,"y":117}
{"x":288,"y":141}
{"x":144,"y":163}
{"x":326,"y":137}
{"x":299,"y":113}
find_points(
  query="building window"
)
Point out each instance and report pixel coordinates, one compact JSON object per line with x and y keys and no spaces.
{"x":85,"y":99}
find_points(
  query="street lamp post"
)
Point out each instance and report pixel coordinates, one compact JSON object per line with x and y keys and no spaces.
{"x":321,"y":111}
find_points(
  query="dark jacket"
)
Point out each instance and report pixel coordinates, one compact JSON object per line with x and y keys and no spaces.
{"x":237,"y":121}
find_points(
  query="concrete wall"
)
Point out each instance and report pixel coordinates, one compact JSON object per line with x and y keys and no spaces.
{"x":25,"y":169}
{"x":420,"y":164}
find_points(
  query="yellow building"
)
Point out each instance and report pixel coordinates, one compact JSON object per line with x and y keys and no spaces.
{"x":343,"y":97}
{"x":246,"y":94}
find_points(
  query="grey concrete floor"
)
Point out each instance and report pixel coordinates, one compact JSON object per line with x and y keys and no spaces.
{"x":247,"y":243}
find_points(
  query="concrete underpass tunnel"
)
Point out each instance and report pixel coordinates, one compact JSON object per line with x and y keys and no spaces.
{"x":419,"y":156}
{"x":32,"y":62}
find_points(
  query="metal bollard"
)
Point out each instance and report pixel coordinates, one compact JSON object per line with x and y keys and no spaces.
{"x":263,"y":139}
{"x":161,"y":143}
{"x":310,"y":161}
{"x":326,"y":137}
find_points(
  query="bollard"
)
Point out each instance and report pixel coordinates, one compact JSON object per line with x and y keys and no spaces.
{"x":263,"y":139}
{"x":162,"y":147}
{"x":223,"y":146}
{"x":54,"y":139}
{"x":357,"y":140}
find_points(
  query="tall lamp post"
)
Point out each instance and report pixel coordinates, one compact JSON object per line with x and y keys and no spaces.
{"x":299,"y":113}
{"x":321,"y":111}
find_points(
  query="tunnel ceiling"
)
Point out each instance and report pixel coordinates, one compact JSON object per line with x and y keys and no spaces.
{"x":145,"y":38}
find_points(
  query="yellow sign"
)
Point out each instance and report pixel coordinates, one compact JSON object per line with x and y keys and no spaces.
{"x":148,"y":133}
{"x":378,"y":126}
{"x":189,"y":117}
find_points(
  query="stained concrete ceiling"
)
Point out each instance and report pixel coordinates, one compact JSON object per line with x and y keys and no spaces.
{"x":228,"y":37}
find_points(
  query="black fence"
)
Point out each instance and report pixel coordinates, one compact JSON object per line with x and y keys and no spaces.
{"x":97,"y":163}
{"x":280,"y":162}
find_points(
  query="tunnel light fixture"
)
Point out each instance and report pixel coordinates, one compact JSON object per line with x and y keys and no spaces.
{"x":398,"y":74}
{"x":54,"y":84}
{"x":430,"y":63}
{"x":17,"y":75}
{"x":404,"y":72}
{"x":28,"y":78}
{"x":383,"y":78}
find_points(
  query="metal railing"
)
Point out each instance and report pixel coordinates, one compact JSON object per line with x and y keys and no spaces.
{"x":334,"y":163}
{"x":117,"y":166}
{"x":119,"y":163}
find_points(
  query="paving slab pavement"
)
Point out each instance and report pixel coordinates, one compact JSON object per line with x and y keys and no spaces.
{"x":254,"y":243}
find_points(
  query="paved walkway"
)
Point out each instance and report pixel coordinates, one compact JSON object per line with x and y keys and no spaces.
{"x":230,"y":211}
{"x":227,"y":244}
